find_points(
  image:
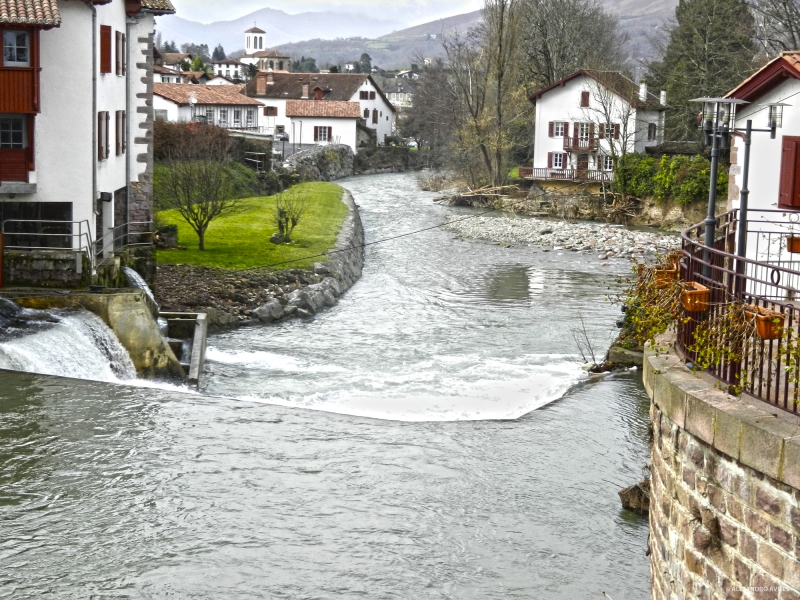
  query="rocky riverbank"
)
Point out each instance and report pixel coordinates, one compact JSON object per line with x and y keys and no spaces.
{"x":236,"y":298}
{"x":601,"y":240}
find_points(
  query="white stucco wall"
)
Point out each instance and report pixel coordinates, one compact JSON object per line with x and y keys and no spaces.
{"x":301,"y":130}
{"x":183,"y":113}
{"x":385,"y":125}
{"x":563,"y":104}
{"x":269,"y":123}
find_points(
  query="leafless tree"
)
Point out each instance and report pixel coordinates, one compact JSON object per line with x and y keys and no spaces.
{"x":777,"y":25}
{"x":563,"y":36}
{"x":195,"y":180}
{"x":290,"y":204}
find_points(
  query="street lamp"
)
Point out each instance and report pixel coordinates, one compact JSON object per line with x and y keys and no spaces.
{"x":716,"y":119}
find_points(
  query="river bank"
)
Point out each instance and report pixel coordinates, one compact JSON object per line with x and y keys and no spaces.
{"x":234,"y":298}
{"x":599,"y":239}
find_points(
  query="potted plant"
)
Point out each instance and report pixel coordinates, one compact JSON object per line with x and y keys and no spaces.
{"x":694,"y":297}
{"x":769,"y":323}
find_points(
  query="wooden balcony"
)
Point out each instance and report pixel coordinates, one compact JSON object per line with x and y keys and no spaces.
{"x":19,"y":90}
{"x":566,"y":174}
{"x":578,"y":144}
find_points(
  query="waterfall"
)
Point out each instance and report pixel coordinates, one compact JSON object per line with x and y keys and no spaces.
{"x":135,"y":281}
{"x":68,"y":343}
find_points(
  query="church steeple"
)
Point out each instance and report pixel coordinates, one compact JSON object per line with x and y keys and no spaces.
{"x":254,"y":40}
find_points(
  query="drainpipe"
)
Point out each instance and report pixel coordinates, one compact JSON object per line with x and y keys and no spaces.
{"x":95,"y":68}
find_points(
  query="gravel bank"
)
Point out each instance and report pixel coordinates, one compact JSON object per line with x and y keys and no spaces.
{"x":601,"y":240}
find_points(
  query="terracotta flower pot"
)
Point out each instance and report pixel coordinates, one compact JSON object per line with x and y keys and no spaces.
{"x":793,"y":244}
{"x":695,"y":297}
{"x":665,"y":277}
{"x":769,"y":324}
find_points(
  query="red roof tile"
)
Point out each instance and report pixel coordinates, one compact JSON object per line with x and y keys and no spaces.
{"x":323,"y":108}
{"x":179,"y":93}
{"x":43,"y":13}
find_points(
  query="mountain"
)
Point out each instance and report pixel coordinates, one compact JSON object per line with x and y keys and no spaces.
{"x":281,"y":28}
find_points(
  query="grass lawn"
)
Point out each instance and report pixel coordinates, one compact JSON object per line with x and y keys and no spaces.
{"x":241,"y":240}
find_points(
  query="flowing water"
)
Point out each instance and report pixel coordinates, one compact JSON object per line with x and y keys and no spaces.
{"x":453,"y":447}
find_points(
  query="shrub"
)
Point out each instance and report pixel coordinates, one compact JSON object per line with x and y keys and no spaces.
{"x":679,"y":179}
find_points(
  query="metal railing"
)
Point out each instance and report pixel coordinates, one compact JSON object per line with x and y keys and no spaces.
{"x":768,"y":279}
{"x":566,"y":174}
{"x":578,"y":144}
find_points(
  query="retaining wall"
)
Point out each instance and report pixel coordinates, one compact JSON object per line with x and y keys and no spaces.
{"x":725,"y":494}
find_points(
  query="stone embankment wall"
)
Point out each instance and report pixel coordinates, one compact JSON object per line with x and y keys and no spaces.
{"x":323,"y":163}
{"x":725,"y":494}
{"x":46,"y":269}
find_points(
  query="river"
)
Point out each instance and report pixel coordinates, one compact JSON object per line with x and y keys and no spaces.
{"x":432,"y":436}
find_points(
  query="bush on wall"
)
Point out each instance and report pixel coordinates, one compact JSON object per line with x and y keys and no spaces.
{"x":679,"y":179}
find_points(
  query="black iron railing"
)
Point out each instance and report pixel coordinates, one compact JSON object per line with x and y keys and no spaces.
{"x":769,"y":278}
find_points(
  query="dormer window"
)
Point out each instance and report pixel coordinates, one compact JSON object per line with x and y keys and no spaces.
{"x":16,"y":49}
{"x":318,"y":94}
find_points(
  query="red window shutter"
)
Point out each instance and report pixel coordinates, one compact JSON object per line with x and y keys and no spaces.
{"x":124,"y":54}
{"x":266,"y":111}
{"x":551,"y":128}
{"x":330,"y":134}
{"x":584,"y":99}
{"x":108,"y":135}
{"x":105,"y":49}
{"x":576,"y":129}
{"x":787,"y":195}
{"x":616,"y":131}
{"x":602,"y":134}
{"x":591,"y":131}
{"x":316,"y":134}
{"x":124,"y":131}
{"x":100,"y":145}
{"x":372,"y":95}
{"x":549,"y":160}
{"x":117,"y":52}
{"x":118,"y":136}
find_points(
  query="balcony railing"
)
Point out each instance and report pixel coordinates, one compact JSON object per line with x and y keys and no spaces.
{"x":766,"y":369}
{"x":566,"y":174}
{"x":579,"y":144}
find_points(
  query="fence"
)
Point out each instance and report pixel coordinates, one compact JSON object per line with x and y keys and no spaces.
{"x":566,"y":174}
{"x":766,"y":369}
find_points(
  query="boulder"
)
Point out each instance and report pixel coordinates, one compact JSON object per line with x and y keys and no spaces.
{"x":269,"y":312}
{"x":219,"y":319}
{"x":321,"y":269}
{"x":276,"y":238}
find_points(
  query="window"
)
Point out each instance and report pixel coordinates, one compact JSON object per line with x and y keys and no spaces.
{"x":236,"y":73}
{"x":319,"y":94}
{"x":393,"y":96}
{"x":280,"y":129}
{"x":652,"y":131}
{"x":121,"y":131}
{"x":372,"y":95}
{"x":363,"y":95}
{"x":251,"y":117}
{"x":227,"y":72}
{"x":103,"y":137}
{"x":608,"y":163}
{"x":584,"y":99}
{"x":556,"y":160}
{"x":209,"y":114}
{"x":16,"y":49}
{"x":237,"y":117}
{"x":120,"y":54}
{"x":559,"y":129}
{"x":583,"y":131}
{"x":375,"y":115}
{"x":323,"y":134}
{"x":366,"y":114}
{"x":12,"y":132}
{"x":270,"y":111}
{"x":160,"y":115}
{"x":223,"y":116}
{"x":105,"y":49}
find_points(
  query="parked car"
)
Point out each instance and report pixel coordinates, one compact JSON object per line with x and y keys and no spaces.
{"x":281,"y":137}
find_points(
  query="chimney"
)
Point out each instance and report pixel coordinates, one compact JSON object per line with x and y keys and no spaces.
{"x":643,"y":90}
{"x":261,"y":85}
{"x":270,"y":78}
{"x":305,"y":92}
{"x":663,"y":98}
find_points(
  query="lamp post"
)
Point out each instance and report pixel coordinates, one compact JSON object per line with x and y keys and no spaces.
{"x":717,"y":116}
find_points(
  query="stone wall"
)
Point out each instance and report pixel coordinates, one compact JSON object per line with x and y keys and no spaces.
{"x":46,"y":268}
{"x":725,"y":494}
{"x":323,"y":163}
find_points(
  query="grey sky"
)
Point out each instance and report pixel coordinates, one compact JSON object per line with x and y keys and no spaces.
{"x":409,"y":12}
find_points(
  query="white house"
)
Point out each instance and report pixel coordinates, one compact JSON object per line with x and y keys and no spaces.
{"x":75,"y":117}
{"x":229,"y":67}
{"x":586,"y":121}
{"x":323,"y":122}
{"x":166,"y":75}
{"x":224,"y":106}
{"x":273,"y":90}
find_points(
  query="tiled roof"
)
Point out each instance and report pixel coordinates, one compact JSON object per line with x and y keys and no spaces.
{"x":339,"y":87}
{"x":323,"y":108}
{"x":611,"y":80}
{"x":204,"y":94}
{"x":255,"y":30}
{"x":172,"y":58}
{"x":226,"y":61}
{"x":266,"y":54}
{"x":768,"y":77}
{"x":43,"y":13}
{"x":164,"y":70}
{"x":162,"y":6}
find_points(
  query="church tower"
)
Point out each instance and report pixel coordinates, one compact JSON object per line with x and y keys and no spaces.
{"x":254,"y":40}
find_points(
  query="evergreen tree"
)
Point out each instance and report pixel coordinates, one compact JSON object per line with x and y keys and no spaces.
{"x":171,"y":47}
{"x":365,"y":63}
{"x":710,"y":51}
{"x":219,"y":53}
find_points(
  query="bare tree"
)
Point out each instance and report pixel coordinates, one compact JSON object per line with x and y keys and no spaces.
{"x":290,"y":204}
{"x":777,"y":25}
{"x":564,"y":36}
{"x":195,"y":180}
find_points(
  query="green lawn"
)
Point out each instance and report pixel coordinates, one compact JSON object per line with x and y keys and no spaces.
{"x":241,"y":240}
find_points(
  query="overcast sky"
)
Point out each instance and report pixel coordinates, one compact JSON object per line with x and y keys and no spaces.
{"x":410,"y":12}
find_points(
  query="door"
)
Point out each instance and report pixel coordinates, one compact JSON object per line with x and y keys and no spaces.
{"x":583,"y":166}
{"x":789,"y":196}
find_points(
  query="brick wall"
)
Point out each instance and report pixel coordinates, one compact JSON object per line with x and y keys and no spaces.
{"x":724,"y":522}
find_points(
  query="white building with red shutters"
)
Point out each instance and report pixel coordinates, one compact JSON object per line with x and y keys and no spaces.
{"x":587,"y":119}
{"x":76,"y":118}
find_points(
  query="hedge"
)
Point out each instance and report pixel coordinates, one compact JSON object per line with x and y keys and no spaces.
{"x":679,"y":179}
